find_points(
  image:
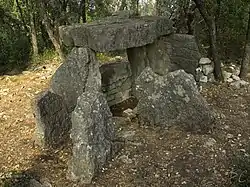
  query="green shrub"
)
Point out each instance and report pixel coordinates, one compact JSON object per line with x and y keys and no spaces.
{"x":46,"y":57}
{"x":14,"y":48}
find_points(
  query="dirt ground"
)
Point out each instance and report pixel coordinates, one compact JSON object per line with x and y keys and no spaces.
{"x":152,"y":156}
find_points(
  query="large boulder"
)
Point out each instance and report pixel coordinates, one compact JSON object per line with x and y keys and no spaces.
{"x":92,"y":136}
{"x":172,"y":99}
{"x":79,"y":72}
{"x":53,"y":120}
{"x":116,"y":34}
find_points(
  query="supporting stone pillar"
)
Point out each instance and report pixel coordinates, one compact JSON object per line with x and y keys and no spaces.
{"x":78,"y":72}
{"x":92,"y":136}
{"x":183,"y":51}
{"x":151,"y":55}
{"x":53,"y":109}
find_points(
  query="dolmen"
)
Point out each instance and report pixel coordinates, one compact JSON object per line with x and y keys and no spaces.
{"x":159,"y":72}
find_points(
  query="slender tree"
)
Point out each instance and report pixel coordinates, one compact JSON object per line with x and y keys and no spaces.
{"x":212,"y":32}
{"x":52,"y":23}
{"x":82,"y":12}
{"x":26,"y":10}
{"x":246,"y":59}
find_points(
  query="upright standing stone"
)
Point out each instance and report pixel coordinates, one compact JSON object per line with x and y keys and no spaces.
{"x":53,"y":120}
{"x":80,"y":70}
{"x":92,"y":136}
{"x":116,"y":81}
{"x":137,"y":57}
{"x":94,"y":80}
{"x":151,"y":55}
{"x":183,"y":52}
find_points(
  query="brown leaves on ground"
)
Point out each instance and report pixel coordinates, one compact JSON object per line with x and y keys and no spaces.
{"x":17,"y":122}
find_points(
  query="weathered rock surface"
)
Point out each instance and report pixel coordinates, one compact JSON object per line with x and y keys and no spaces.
{"x":35,"y":183}
{"x":78,"y":72}
{"x":92,"y":136}
{"x":226,"y":75}
{"x":207,"y":69}
{"x":239,"y":84}
{"x":152,"y":55}
{"x":205,"y":61}
{"x":235,"y":77}
{"x":129,"y":113}
{"x":116,"y":34}
{"x":172,"y":99}
{"x":53,"y":120}
{"x":203,"y":79}
{"x":183,"y":51}
{"x":116,"y":82}
{"x":118,"y":109}
{"x":211,"y":77}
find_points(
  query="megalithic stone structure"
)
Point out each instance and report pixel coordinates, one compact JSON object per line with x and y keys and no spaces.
{"x":81,"y":91}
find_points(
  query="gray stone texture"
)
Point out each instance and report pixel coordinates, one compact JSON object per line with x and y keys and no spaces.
{"x":116,"y":34}
{"x":75,"y":103}
{"x":80,"y":71}
{"x":116,"y":81}
{"x":53,"y":120}
{"x":183,"y":52}
{"x":172,"y":99}
{"x":151,"y":55}
{"x":92,"y":136}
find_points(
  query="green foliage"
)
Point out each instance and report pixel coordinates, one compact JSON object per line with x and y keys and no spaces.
{"x":103,"y":57}
{"x":15,"y":45}
{"x":241,"y":170}
{"x":15,"y":48}
{"x":231,"y":20}
{"x":15,"y":23}
{"x":111,"y":56}
{"x":232,"y":25}
{"x":46,"y":57}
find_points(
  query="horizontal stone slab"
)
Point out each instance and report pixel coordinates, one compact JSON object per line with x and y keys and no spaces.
{"x":116,"y":34}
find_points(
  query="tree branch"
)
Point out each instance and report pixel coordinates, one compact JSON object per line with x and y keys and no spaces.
{"x":21,"y":15}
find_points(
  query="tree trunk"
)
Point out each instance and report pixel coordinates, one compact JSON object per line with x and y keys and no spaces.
{"x":33,"y":35}
{"x":82,"y":12}
{"x":21,"y":16}
{"x":190,"y":19}
{"x":123,"y":5}
{"x":54,"y":39}
{"x":246,"y":59}
{"x":134,"y":6}
{"x":210,"y":22}
{"x":214,"y":51}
